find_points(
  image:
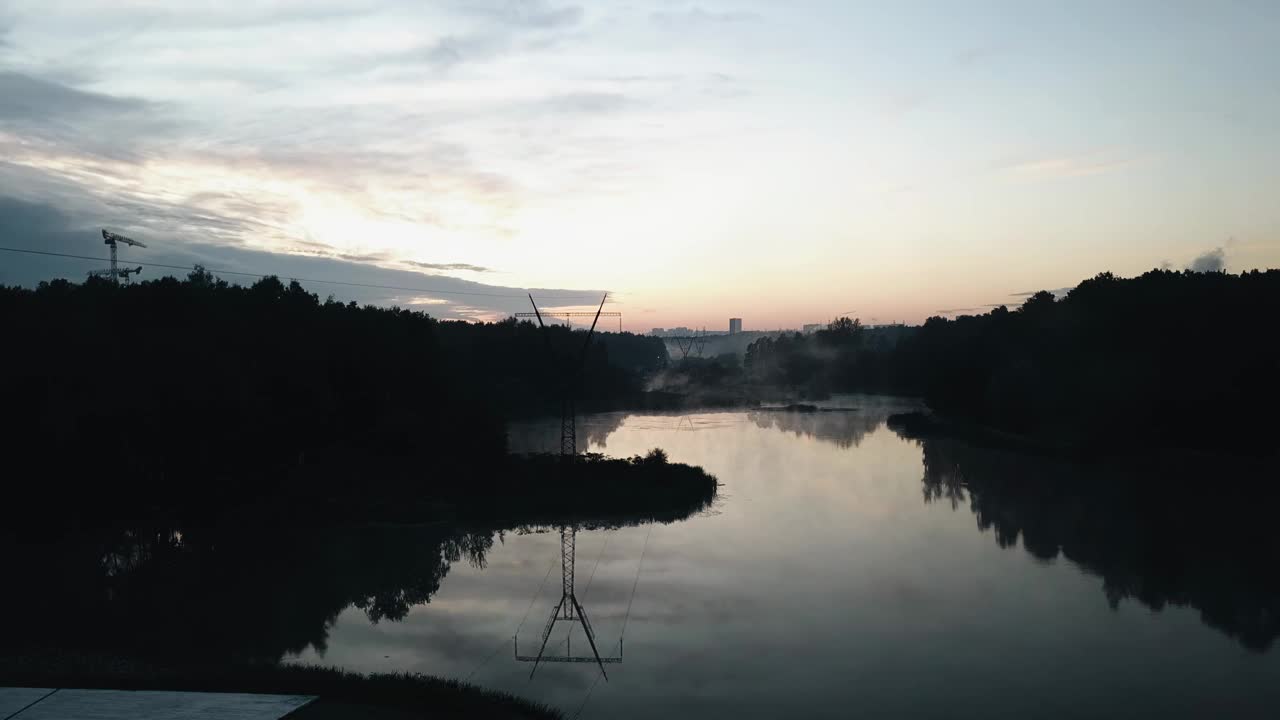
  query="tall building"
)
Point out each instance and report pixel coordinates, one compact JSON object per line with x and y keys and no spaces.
{"x":812,"y":328}
{"x":735,"y":326}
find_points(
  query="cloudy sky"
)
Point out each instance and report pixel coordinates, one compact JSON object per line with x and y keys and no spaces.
{"x":783,"y":162}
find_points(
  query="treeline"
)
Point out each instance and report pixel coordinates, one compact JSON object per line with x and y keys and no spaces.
{"x":1167,"y":359}
{"x":843,"y":357}
{"x":134,"y":395}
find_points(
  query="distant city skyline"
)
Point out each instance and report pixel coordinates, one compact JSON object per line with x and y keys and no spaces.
{"x":699,"y":160}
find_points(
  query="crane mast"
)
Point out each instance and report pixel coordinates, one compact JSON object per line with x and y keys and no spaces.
{"x":112,"y":240}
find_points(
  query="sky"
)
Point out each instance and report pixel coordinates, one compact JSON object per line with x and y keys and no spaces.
{"x":780,"y":162}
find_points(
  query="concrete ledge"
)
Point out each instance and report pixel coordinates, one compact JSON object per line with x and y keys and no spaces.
{"x":72,"y":704}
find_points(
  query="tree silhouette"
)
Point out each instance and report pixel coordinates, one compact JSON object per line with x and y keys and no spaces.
{"x":200,"y":394}
{"x":1168,"y":359}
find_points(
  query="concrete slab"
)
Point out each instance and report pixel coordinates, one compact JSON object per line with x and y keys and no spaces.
{"x":13,"y":699}
{"x":69,"y":704}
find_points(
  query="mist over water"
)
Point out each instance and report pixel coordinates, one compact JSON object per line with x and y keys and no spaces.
{"x":846,"y":570}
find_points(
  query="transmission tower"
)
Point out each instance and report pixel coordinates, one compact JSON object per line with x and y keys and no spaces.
{"x":697,"y":343}
{"x":116,"y":273}
{"x":570,"y":315}
{"x":569,"y":385}
{"x":567,"y":610}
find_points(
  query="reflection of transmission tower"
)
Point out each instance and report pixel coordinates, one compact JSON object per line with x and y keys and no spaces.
{"x":573,"y":376}
{"x":567,"y":610}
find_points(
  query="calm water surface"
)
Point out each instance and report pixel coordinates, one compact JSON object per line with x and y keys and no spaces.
{"x":844,"y":571}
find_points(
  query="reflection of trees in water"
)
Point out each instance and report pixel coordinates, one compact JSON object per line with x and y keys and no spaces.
{"x":1162,"y":536}
{"x":250,"y":594}
{"x":543,"y":435}
{"x":246,"y":593}
{"x":845,"y":429}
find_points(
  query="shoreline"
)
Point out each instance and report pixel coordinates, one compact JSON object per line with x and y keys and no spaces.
{"x":920,"y":424}
{"x":513,"y":490}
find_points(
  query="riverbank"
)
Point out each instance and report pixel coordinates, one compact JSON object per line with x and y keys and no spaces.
{"x":515,"y":490}
{"x":341,"y":695}
{"x":341,"y":488}
{"x":924,"y":424}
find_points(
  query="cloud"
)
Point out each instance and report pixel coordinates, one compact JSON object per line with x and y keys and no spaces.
{"x":29,"y":99}
{"x":74,"y":230}
{"x":697,"y":18}
{"x":974,"y":55}
{"x":586,"y":102}
{"x":978,"y":309}
{"x":41,"y":117}
{"x":448,"y":266}
{"x":1214,"y":260}
{"x":1068,"y":165}
{"x":417,"y":300}
{"x":203,"y":16}
{"x":452,"y":50}
{"x":535,"y":14}
{"x":241,"y":190}
{"x":219,"y":127}
{"x":1057,"y":292}
{"x":953,"y":311}
{"x":505,"y":27}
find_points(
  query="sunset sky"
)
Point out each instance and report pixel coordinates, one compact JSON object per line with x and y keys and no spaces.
{"x":781,"y":162}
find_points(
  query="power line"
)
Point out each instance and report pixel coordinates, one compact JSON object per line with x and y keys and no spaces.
{"x":593,"y":567}
{"x":526,"y":617}
{"x":306,"y":280}
{"x":534,"y":599}
{"x":579,"y":714}
{"x":639,"y":566}
{"x":593,"y":575}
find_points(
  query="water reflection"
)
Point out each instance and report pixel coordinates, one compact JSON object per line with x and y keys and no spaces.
{"x":568,"y":610}
{"x":1190,"y":533}
{"x":844,"y":428}
{"x":822,"y":587}
{"x":842,"y":420}
{"x":244,"y":594}
{"x":539,"y":436}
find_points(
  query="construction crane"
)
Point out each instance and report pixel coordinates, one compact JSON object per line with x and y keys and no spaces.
{"x":116,"y":272}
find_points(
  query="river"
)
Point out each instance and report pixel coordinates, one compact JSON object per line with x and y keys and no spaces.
{"x":848,"y":571}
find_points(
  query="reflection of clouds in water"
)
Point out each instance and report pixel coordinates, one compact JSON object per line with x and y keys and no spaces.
{"x":842,"y":419}
{"x":543,"y":434}
{"x":835,"y":560}
{"x":844,"y":429}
